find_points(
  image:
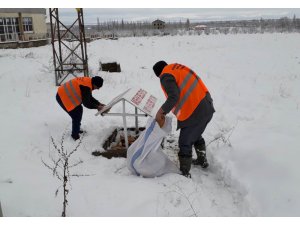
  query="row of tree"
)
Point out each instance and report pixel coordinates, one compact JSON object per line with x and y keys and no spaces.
{"x":123,"y":28}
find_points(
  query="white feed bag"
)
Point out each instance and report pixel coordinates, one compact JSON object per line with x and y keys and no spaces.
{"x":145,"y":156}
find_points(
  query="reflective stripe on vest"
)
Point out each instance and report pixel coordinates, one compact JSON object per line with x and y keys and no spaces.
{"x":185,"y":81}
{"x":188,"y":93}
{"x":192,"y":90}
{"x":73,"y":92}
{"x":70,"y":92}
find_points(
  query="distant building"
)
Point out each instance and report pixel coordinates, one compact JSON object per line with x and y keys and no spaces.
{"x":22,"y":24}
{"x":158,"y":24}
{"x":200,"y":27}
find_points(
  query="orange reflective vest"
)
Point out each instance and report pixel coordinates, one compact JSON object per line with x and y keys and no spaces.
{"x":192,"y":90}
{"x":70,"y":93}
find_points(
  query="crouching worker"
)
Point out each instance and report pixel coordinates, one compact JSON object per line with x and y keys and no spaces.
{"x":190,"y":101}
{"x":75,"y":92}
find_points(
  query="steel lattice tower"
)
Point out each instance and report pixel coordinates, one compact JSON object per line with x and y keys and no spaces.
{"x":69,"y":46}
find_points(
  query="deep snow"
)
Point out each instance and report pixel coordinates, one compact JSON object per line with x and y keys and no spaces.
{"x":252,"y":140}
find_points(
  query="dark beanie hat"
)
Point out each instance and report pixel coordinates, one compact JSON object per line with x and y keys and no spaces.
{"x":158,"y":67}
{"x":98,"y":81}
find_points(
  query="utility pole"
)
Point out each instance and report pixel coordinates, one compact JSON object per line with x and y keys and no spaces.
{"x":69,"y":46}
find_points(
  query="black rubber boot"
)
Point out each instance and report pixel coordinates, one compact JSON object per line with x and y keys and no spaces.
{"x":75,"y":136}
{"x":201,"y":156}
{"x":185,"y":166}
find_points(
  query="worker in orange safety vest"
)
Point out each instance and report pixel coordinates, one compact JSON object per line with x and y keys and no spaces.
{"x":190,"y":101}
{"x":72,"y":94}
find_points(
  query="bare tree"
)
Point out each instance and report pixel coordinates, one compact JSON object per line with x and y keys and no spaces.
{"x":60,"y":167}
{"x":189,"y":198}
{"x":187,"y":24}
{"x":223,"y":136}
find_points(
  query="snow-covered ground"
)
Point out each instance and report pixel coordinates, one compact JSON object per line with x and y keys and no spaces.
{"x":253,"y":139}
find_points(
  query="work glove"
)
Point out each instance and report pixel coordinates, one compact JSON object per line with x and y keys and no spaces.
{"x":100,"y":106}
{"x":160,"y":117}
{"x":107,"y":110}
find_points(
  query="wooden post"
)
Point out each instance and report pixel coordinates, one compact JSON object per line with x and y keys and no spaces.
{"x":1,"y":214}
{"x":22,"y":38}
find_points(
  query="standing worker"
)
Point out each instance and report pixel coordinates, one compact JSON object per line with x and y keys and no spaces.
{"x":75,"y":92}
{"x":190,"y":101}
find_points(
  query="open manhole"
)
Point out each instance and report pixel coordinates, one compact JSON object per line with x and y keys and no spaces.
{"x":110,"y":67}
{"x":114,"y":145}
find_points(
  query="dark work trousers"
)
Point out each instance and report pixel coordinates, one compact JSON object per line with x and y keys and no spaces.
{"x":75,"y":114}
{"x":192,"y":135}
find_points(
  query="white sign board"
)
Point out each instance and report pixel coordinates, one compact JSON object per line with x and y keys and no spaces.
{"x":138,"y":97}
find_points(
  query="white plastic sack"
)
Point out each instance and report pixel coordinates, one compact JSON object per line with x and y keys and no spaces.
{"x":145,"y":156}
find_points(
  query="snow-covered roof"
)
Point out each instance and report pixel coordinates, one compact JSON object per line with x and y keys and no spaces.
{"x":158,"y":21}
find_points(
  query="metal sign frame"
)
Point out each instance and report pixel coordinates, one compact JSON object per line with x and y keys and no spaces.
{"x":123,"y":98}
{"x":74,"y":59}
{"x":124,"y":114}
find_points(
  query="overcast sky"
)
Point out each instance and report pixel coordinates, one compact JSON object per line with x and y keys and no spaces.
{"x":174,"y":14}
{"x":167,"y":10}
